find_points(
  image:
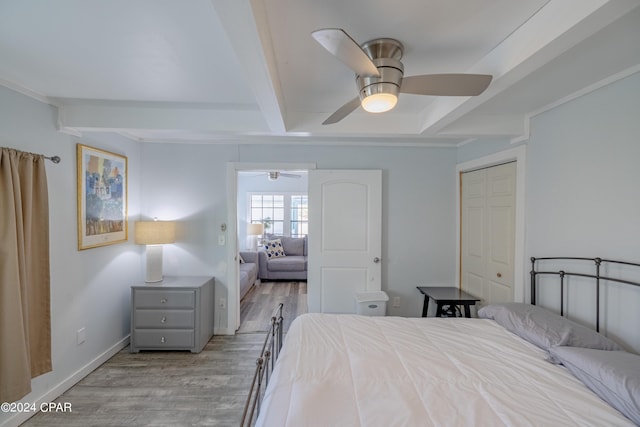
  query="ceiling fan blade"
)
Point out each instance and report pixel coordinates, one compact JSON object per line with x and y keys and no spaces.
{"x":290,"y":175}
{"x":343,"y":111}
{"x":446,"y":84}
{"x":347,"y":50}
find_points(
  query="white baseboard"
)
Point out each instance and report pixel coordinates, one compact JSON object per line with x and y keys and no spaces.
{"x":222,"y":331}
{"x":56,"y":391}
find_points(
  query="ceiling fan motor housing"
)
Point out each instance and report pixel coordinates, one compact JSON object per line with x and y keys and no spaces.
{"x":385,"y":54}
{"x":391,"y":72}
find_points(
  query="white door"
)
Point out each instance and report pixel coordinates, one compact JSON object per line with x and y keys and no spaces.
{"x":345,"y":223}
{"x":488,"y":233}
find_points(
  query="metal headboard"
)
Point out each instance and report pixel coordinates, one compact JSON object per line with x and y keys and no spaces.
{"x":598,"y":263}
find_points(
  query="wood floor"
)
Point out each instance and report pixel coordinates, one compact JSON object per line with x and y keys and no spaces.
{"x":175,"y":388}
{"x":256,"y":308}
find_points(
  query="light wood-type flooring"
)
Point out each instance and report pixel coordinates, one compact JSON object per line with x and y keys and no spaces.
{"x":256,"y":308}
{"x":175,"y":388}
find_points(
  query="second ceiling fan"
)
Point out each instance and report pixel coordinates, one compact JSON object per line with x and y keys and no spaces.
{"x":380,"y":74}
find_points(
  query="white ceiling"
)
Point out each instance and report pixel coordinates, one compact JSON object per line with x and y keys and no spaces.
{"x":248,"y":70}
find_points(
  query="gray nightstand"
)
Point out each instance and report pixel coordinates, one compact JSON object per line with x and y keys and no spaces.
{"x":175,"y":314}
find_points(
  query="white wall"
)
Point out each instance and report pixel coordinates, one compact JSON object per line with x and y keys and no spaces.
{"x":582,"y":190}
{"x":90,"y":288}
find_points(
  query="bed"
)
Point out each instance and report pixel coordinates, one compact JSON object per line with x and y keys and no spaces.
{"x":519,"y":365}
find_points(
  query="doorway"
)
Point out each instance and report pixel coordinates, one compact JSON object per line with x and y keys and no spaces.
{"x":234,"y":244}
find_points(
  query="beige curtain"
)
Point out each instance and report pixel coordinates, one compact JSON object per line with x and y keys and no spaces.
{"x":25,"y":325}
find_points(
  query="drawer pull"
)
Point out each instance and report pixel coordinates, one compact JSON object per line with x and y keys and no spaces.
{"x":163,"y":301}
{"x":163,"y":320}
{"x":162,"y":340}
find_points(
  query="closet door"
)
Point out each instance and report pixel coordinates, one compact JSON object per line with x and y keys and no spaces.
{"x":488,"y":233}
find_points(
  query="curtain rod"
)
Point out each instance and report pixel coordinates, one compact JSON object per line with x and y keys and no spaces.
{"x":54,"y":159}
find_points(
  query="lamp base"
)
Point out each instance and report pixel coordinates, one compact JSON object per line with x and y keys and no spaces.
{"x":154,"y":264}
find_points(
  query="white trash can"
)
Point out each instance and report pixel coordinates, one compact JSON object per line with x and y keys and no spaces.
{"x":372,"y":303}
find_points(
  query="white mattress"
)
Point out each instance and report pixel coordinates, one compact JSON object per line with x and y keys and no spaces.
{"x":349,"y":370}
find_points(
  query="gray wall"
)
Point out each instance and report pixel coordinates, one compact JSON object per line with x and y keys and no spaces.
{"x":90,"y":288}
{"x":582,"y":191}
{"x":418,"y":207}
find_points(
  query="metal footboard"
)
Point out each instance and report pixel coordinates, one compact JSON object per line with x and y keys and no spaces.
{"x":264,"y":366}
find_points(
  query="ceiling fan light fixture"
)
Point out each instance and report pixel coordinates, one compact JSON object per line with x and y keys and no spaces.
{"x":379,"y":102}
{"x":380,"y":94}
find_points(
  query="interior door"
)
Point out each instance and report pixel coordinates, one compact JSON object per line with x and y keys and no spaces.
{"x":345,"y":223}
{"x":488,"y":233}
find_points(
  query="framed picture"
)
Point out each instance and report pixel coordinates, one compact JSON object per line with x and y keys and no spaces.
{"x":102,"y":197}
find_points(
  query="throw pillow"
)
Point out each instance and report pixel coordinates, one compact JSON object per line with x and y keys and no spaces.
{"x":274,"y":248}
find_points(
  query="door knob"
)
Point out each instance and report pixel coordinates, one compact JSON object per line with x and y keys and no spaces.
{"x":499,"y":274}
{"x":376,"y":260}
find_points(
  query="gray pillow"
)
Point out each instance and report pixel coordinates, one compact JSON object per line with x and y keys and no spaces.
{"x":612,"y":375}
{"x":544,"y":328}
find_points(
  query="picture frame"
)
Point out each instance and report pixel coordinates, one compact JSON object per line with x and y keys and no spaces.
{"x":102,"y":197}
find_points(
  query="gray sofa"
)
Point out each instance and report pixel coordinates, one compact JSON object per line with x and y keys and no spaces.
{"x":248,"y":271}
{"x":292,"y":266}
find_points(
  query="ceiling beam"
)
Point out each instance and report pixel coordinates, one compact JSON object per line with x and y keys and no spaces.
{"x":246,"y":26}
{"x":99,"y":115}
{"x":554,"y":29}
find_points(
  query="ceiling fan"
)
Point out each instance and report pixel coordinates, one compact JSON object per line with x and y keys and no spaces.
{"x":379,"y":74}
{"x":274,"y":175}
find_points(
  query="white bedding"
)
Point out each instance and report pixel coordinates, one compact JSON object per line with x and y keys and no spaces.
{"x":349,"y":370}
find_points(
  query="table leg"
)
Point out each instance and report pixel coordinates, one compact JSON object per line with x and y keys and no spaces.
{"x":439,"y":310}
{"x":425,"y":307}
{"x":467,"y":310}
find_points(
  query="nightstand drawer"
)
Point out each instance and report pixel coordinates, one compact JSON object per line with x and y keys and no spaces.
{"x":165,"y":298}
{"x":161,"y":338}
{"x":164,"y":319}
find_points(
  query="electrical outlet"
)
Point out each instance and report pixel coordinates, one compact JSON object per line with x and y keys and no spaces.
{"x":81,"y":336}
{"x":396,"y":301}
{"x":223,"y":303}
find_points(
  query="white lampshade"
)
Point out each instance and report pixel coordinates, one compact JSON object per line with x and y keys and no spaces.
{"x":155,"y":232}
{"x":255,"y":229}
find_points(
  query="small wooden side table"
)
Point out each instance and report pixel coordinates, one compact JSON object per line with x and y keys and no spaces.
{"x":447,"y":296}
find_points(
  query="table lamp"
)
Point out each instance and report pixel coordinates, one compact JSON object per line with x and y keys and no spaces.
{"x":255,"y":230}
{"x":154,"y":234}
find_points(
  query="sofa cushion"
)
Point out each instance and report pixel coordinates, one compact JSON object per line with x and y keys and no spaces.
{"x":293,"y":245}
{"x":274,"y":249}
{"x":287,"y":263}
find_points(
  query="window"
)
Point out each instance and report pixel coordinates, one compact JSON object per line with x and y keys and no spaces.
{"x":283,"y":214}
{"x":299,"y":225}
